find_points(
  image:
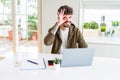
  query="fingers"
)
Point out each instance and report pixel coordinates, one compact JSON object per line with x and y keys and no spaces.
{"x":61,"y":12}
{"x":61,"y":16}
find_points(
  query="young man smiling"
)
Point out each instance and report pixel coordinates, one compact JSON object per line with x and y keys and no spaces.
{"x":64,"y":34}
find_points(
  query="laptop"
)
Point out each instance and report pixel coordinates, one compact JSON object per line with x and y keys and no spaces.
{"x":74,"y":57}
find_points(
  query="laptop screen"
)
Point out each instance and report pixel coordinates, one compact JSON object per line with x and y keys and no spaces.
{"x":77,"y":57}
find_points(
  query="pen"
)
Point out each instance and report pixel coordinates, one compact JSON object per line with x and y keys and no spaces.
{"x":44,"y":62}
{"x":32,"y":62}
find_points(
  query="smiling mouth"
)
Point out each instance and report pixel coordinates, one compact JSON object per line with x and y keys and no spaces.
{"x":67,"y":22}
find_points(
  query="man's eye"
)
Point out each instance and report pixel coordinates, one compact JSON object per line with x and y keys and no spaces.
{"x":64,"y":17}
{"x":70,"y":17}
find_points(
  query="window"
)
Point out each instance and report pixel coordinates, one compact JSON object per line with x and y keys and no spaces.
{"x":19,"y":24}
{"x":5,"y":25}
{"x":95,"y":12}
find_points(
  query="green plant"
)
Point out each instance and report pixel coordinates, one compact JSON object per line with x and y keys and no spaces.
{"x":91,"y":25}
{"x":94,"y":25}
{"x":6,"y":22}
{"x":103,"y":29}
{"x":115,"y":23}
{"x":113,"y":31}
{"x":32,"y":25}
{"x":57,"y":61}
{"x":86,"y":25}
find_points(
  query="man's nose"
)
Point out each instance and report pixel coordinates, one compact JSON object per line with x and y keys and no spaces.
{"x":67,"y":19}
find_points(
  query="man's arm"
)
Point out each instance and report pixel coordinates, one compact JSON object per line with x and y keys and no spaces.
{"x":80,"y":40}
{"x":49,"y":38}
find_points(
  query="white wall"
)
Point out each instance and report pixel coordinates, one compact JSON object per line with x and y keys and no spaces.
{"x":106,"y":50}
{"x":49,"y":16}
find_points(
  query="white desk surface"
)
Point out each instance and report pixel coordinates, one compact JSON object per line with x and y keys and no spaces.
{"x":101,"y":69}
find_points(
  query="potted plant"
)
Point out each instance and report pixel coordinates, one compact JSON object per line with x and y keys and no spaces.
{"x":116,"y":27}
{"x":90,"y":28}
{"x":115,"y":23}
{"x":10,"y":32}
{"x":56,"y":62}
{"x":102,"y":29}
{"x":86,"y":25}
{"x":94,"y":25}
{"x":91,"y":25}
{"x":113,"y":31}
{"x":32,"y":25}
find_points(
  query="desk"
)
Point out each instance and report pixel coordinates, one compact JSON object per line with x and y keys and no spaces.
{"x":101,"y":69}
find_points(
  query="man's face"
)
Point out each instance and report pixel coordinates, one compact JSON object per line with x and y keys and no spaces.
{"x":68,"y":19}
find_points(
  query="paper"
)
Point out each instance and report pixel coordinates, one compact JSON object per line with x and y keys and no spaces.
{"x":31,"y":66}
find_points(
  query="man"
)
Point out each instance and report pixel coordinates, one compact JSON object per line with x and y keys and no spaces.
{"x":64,"y":34}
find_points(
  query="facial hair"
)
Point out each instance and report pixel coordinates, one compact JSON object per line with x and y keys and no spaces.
{"x":66,"y":25}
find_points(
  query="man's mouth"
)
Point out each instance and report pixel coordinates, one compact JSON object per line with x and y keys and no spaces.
{"x":68,"y":22}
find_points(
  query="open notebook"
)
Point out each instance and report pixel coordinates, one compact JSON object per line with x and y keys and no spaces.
{"x":33,"y":64}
